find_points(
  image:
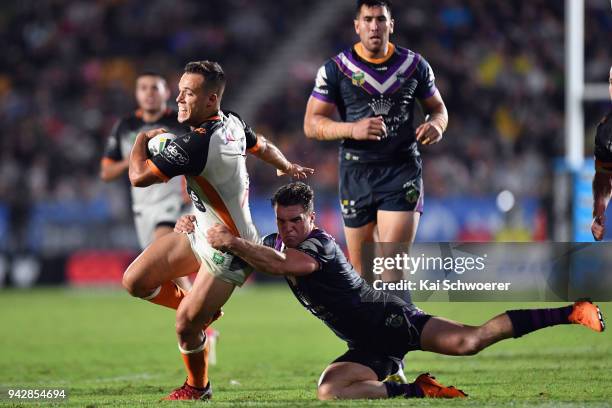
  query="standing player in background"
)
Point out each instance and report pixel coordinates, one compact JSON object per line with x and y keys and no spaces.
{"x":602,"y":182}
{"x":155,"y":208}
{"x":212,"y":157}
{"x":373,"y":86}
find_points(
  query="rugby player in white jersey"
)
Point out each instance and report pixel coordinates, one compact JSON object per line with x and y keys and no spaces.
{"x":212,"y":159}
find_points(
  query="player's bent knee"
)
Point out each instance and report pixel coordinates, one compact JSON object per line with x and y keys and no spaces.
{"x":134,"y":286}
{"x":327,"y":391}
{"x":185,"y":325}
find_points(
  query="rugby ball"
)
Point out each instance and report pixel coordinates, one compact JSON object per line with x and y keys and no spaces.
{"x":158,"y":143}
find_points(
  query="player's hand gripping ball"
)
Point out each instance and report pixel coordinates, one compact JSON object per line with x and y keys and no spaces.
{"x":158,"y":143}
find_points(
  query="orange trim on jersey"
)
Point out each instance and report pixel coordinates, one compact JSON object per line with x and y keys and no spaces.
{"x":157,"y":171}
{"x":105,"y":161}
{"x":217,"y":203}
{"x":603,"y":167}
{"x":257,"y":147}
{"x":362,"y":54}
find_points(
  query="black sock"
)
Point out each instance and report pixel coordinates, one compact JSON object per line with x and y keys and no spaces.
{"x":406,"y":390}
{"x":528,"y":320}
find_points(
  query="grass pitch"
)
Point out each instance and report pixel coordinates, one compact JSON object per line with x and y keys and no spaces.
{"x":108,"y":349}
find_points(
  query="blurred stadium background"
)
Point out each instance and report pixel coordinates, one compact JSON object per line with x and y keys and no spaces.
{"x":68,"y":71}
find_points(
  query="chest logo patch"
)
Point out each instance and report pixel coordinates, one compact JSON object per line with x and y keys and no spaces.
{"x":358,"y":78}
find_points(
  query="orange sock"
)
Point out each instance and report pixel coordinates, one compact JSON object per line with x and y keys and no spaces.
{"x":196,"y":363}
{"x":168,"y":294}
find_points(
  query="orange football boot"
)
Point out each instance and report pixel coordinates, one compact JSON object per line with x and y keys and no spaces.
{"x":587,"y":314}
{"x":433,"y":389}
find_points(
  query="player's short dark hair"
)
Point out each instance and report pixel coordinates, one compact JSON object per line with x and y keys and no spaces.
{"x":372,"y":3}
{"x":296,"y":193}
{"x":214,"y":77}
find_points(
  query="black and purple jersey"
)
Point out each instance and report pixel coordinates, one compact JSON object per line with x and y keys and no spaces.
{"x":387,"y":87}
{"x":336,"y":294}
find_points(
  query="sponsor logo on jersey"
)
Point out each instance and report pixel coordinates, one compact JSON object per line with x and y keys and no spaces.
{"x":200,"y":131}
{"x":381,"y":106}
{"x":358,"y":78}
{"x":175,"y":154}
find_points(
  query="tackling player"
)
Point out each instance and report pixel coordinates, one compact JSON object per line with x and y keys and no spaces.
{"x":373,"y":86}
{"x":212,"y":159}
{"x":602,"y":182}
{"x":378,"y":327}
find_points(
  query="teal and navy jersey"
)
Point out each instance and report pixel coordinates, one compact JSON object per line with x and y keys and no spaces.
{"x":336,"y":294}
{"x":387,"y":87}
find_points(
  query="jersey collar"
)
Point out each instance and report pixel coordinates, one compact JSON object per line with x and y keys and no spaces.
{"x":361,"y":52}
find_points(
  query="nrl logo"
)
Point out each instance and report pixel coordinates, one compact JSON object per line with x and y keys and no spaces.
{"x":218,"y":258}
{"x":358,"y":78}
{"x":381,"y":106}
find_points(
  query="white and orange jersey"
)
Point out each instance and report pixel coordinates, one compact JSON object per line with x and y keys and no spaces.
{"x":212,"y":158}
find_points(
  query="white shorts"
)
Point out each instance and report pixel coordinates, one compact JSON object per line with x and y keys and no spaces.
{"x":223,"y":265}
{"x":163,"y":213}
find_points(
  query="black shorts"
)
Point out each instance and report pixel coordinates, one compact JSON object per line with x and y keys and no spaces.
{"x":366,"y":188}
{"x":396,"y":337}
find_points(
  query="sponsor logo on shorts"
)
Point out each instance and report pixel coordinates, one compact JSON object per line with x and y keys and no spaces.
{"x":413,"y":191}
{"x":348,"y":208}
{"x":175,"y":154}
{"x":218,"y":258}
{"x":394,"y":320}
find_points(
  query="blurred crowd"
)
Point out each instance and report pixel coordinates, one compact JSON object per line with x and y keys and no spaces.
{"x":68,"y":70}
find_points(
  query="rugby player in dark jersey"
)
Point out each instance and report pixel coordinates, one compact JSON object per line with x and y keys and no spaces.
{"x":379,"y":328}
{"x":602,"y":182}
{"x":373,"y":86}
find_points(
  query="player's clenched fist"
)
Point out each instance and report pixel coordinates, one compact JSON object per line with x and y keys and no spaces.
{"x":598,"y":227}
{"x":185,"y":224}
{"x":149,"y":134}
{"x":219,"y":237}
{"x":428,"y":133}
{"x":369,"y":129}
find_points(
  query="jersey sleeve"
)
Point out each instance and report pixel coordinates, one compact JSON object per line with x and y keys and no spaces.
{"x":185,"y":155}
{"x":270,"y":240}
{"x":112,"y":150}
{"x":426,"y":80}
{"x":327,"y":83}
{"x":320,"y":247}
{"x":603,"y":145}
{"x":252,"y":142}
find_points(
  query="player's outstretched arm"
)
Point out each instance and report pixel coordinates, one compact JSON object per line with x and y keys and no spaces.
{"x":271,"y":154}
{"x":602,"y":189}
{"x":264,"y":259}
{"x":111,"y":169}
{"x":432,"y":130}
{"x":141,"y":174}
{"x":318,"y":124}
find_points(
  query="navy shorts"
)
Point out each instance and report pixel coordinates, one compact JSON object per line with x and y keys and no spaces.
{"x":397,"y":335}
{"x":366,"y":188}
